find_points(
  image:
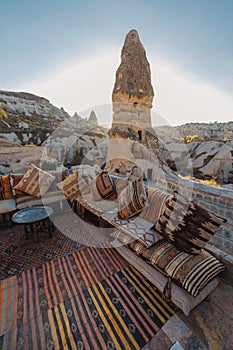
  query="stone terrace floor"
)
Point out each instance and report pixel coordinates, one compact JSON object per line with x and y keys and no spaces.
{"x":209,"y":326}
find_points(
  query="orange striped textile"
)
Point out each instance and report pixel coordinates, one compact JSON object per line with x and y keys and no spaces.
{"x":90,"y":299}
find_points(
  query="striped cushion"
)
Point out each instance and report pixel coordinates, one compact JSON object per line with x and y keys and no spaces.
{"x":35,"y":182}
{"x":191,"y":272}
{"x":70,"y":187}
{"x":102,"y":187}
{"x":5,"y":187}
{"x":15,"y":179}
{"x":156,"y":207}
{"x":188,"y":226}
{"x":85,"y":181}
{"x":132,"y":199}
{"x":137,"y":247}
{"x":120,"y":184}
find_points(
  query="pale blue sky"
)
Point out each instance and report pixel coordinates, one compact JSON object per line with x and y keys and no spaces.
{"x":188,"y":43}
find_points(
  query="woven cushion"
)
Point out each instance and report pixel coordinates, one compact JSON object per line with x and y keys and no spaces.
{"x":35,"y":182}
{"x":70,"y":187}
{"x":156,"y":207}
{"x":102,"y":187}
{"x":137,"y":247}
{"x":132,"y":199}
{"x":136,"y":227}
{"x":15,"y":179}
{"x":85,"y":181}
{"x":190,"y":272}
{"x":188,"y":226}
{"x":5,"y":187}
{"x":120,"y":184}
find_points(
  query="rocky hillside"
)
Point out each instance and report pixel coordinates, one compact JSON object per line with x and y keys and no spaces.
{"x":204,"y":131}
{"x":77,"y":138}
{"x":204,"y":151}
{"x":26,"y":118}
{"x":30,"y":120}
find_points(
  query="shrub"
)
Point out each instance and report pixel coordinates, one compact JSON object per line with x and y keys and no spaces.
{"x":30,"y":144}
{"x":210,"y":182}
{"x":191,"y":138}
{"x":3,"y":114}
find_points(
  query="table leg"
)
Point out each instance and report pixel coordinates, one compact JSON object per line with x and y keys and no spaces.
{"x":26,"y":231}
{"x":50,"y":227}
{"x":37,"y":230}
{"x":35,"y":227}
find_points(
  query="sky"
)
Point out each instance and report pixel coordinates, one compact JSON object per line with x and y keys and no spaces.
{"x":69,"y":51}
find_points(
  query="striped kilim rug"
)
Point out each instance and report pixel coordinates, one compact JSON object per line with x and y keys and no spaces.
{"x":90,"y":299}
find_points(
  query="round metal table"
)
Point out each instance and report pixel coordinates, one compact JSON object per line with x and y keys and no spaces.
{"x":35,"y":219}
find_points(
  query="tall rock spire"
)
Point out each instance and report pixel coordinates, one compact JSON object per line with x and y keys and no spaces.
{"x":133,"y":93}
{"x":133,"y":142}
{"x":133,"y":77}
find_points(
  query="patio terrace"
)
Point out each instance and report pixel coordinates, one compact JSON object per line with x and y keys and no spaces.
{"x":209,"y":326}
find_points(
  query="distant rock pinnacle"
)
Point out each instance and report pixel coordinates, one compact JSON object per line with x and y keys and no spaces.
{"x":133,"y":77}
{"x":92,"y":121}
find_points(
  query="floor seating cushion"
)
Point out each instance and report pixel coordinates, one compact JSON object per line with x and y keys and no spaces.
{"x":5,"y":187}
{"x":185,"y":224}
{"x":132,"y":199}
{"x":13,"y":198}
{"x":103,"y":187}
{"x":191,"y":272}
{"x":7,"y":206}
{"x":185,"y":278}
{"x":35,"y":181}
{"x":179,"y":296}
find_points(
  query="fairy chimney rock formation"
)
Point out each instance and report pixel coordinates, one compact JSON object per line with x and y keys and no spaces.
{"x":92,"y":121}
{"x":133,"y":77}
{"x":132,"y":138}
{"x":133,"y":93}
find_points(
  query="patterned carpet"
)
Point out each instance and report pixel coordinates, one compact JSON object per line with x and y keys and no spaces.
{"x":18,"y":254}
{"x":89,"y":299}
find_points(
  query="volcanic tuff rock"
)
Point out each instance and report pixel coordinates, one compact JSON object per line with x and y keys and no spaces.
{"x":204,"y":131}
{"x":27,"y":118}
{"x":92,"y":120}
{"x":16,"y":159}
{"x":133,"y":77}
{"x":202,"y":150}
{"x":133,"y":93}
{"x":76,"y":141}
{"x":133,"y":143}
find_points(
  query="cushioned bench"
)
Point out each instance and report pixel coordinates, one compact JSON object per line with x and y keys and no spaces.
{"x":178,"y":296}
{"x":144,"y":231}
{"x":13,"y":198}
